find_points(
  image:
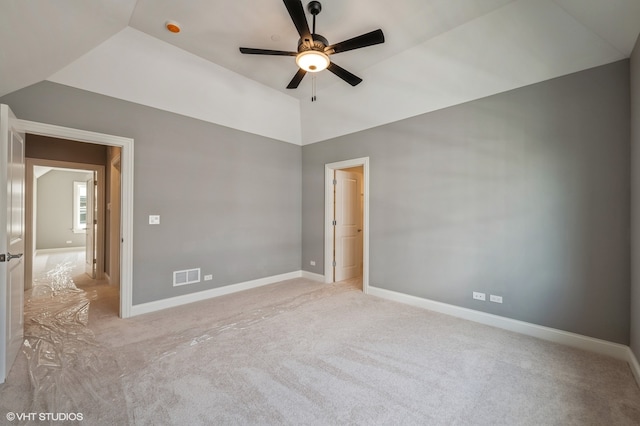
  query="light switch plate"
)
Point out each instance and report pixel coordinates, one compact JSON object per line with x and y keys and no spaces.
{"x":154,"y":219}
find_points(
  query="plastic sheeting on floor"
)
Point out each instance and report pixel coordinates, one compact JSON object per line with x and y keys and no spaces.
{"x":63,"y":356}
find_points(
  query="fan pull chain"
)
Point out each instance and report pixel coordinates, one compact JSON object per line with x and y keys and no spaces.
{"x":313,"y":89}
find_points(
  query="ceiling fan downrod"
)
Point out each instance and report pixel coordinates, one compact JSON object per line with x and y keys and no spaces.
{"x":314,"y":8}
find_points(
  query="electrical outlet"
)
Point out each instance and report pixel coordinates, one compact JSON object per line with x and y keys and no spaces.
{"x":312,"y":263}
{"x":494,"y":298}
{"x":479,"y":296}
{"x":208,"y":277}
{"x":154,"y":219}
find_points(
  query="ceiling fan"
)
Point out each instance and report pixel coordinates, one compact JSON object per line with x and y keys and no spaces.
{"x":313,"y":49}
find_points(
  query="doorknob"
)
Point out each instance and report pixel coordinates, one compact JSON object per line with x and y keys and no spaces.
{"x":359,"y":230}
{"x":13,"y":256}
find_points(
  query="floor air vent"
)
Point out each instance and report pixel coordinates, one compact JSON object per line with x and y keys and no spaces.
{"x":188,"y":276}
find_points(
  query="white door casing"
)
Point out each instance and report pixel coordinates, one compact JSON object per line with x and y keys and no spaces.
{"x":12,"y":221}
{"x":347,"y":229}
{"x":329,"y":212}
{"x":126,"y":176}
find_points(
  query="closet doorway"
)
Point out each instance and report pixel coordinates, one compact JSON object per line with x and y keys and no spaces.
{"x":346,"y":248}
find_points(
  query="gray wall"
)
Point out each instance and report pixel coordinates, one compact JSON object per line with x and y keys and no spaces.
{"x":635,"y":197}
{"x":524,"y":194}
{"x":54,"y":210}
{"x":229,"y":201}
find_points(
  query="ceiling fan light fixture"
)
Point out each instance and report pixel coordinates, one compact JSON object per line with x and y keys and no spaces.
{"x":312,"y":60}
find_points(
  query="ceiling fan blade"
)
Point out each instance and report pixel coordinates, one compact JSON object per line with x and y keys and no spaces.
{"x":251,"y":51}
{"x":344,"y":74}
{"x":295,"y":82}
{"x":364,"y":40}
{"x":296,"y":11}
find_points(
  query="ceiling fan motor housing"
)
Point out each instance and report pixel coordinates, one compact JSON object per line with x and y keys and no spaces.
{"x":319,"y":44}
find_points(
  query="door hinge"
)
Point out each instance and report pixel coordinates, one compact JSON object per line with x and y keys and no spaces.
{"x":3,"y":257}
{"x":334,"y":264}
{"x":335,"y":182}
{"x":95,"y":182}
{"x":334,"y":223}
{"x":95,"y":261}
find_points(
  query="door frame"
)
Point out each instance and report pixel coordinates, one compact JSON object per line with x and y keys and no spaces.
{"x":328,"y":214}
{"x":126,"y":181}
{"x":31,"y":217}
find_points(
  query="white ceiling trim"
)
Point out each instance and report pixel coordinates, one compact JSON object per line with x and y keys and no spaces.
{"x":139,"y":68}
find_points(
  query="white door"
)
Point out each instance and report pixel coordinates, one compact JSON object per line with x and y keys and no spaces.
{"x":90,"y":249}
{"x":348,"y":227}
{"x":12,"y":171}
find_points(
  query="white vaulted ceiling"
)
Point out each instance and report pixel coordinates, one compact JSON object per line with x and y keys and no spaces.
{"x":437,"y":53}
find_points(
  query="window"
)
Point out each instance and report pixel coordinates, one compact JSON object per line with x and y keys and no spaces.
{"x":79,"y":207}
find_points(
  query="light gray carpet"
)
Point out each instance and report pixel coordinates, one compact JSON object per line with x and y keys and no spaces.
{"x":300,"y":352}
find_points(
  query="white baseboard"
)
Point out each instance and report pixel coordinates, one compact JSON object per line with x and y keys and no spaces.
{"x":603,"y":347}
{"x":635,"y":366}
{"x":313,"y":276}
{"x":58,"y":250}
{"x":145,"y":308}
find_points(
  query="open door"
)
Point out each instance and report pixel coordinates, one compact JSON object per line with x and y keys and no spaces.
{"x":90,"y":205}
{"x":348,"y":226}
{"x":12,"y":177}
